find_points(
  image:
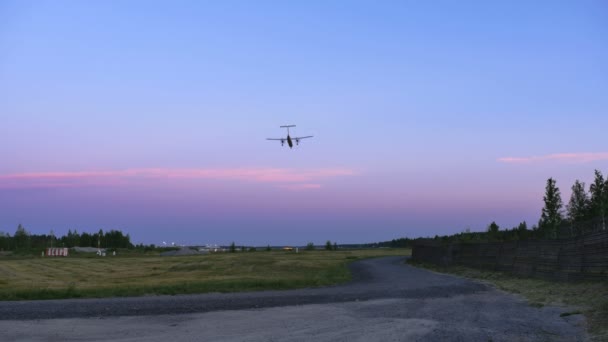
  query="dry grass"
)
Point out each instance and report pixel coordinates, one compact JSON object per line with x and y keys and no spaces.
{"x":588,"y":298}
{"x":45,"y":278}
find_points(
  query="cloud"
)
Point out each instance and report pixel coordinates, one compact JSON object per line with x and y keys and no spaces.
{"x":292,"y":179}
{"x":584,"y":157}
{"x":300,"y":186}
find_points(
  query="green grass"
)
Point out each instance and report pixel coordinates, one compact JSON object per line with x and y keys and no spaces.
{"x":84,"y":276}
{"x":587,"y":298}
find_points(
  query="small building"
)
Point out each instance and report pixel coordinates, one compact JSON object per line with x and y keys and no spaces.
{"x":57,"y":252}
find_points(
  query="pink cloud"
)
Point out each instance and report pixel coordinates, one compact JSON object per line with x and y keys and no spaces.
{"x":300,"y":186}
{"x":288,"y":178}
{"x":583,"y":157}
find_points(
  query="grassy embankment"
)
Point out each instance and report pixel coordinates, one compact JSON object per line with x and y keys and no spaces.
{"x":78,"y":277}
{"x":588,"y":298}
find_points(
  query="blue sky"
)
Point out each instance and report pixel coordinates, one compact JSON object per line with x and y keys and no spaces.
{"x":151,"y":117}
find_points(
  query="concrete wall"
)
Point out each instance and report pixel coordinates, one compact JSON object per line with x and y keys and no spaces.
{"x":582,"y":258}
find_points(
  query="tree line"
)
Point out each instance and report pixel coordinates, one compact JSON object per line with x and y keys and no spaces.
{"x":584,"y":213}
{"x":24,"y":240}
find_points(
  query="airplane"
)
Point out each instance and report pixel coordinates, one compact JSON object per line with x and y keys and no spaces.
{"x":289,"y":139}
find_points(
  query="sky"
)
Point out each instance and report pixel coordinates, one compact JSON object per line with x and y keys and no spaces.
{"x":428,"y":117}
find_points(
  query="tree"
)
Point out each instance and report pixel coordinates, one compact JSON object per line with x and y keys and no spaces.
{"x":522,"y":230}
{"x":493,"y":231}
{"x":310,"y":246}
{"x":335,"y":246}
{"x":128,"y":239}
{"x":115,"y":239}
{"x":86,"y":240}
{"x":268,"y":249}
{"x":72,"y":239}
{"x":328,"y":245}
{"x":578,"y":206}
{"x":551,"y":215}
{"x":599,"y":201}
{"x":21,"y":238}
{"x":493,"y":228}
{"x":523,"y":226}
{"x":605,"y":204}
{"x":232,"y":247}
{"x":5,"y":241}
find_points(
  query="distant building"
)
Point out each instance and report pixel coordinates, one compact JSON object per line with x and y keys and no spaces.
{"x":211,"y":249}
{"x":57,"y":252}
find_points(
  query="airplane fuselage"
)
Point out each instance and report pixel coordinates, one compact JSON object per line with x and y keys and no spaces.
{"x":289,"y":142}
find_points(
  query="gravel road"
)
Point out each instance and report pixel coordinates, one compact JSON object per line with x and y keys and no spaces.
{"x":387,"y":301}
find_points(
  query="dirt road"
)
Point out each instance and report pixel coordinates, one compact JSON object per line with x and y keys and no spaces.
{"x":387,"y":301}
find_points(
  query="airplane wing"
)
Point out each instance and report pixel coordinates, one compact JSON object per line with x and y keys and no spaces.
{"x":298,"y":138}
{"x":274,"y":139}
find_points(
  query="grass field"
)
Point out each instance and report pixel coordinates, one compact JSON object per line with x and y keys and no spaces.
{"x":588,"y":298}
{"x":75,"y":277}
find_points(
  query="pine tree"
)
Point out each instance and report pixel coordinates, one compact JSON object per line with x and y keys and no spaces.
{"x":522,"y":230}
{"x":578,"y":207}
{"x":21,"y":238}
{"x":86,"y":240}
{"x":599,"y":201}
{"x":493,"y":230}
{"x":522,"y":227}
{"x":5,"y":240}
{"x":551,"y":215}
{"x":605,"y":203}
